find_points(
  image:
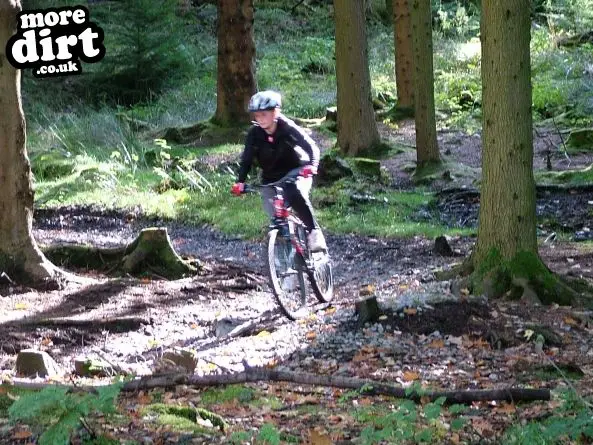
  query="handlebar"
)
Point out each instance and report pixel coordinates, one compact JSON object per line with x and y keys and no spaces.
{"x":289,"y":178}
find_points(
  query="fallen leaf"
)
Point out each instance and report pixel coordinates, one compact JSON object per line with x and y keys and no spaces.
{"x":410,"y":311}
{"x":263,"y":334}
{"x":144,"y":399}
{"x":369,"y":289}
{"x":437,"y":343}
{"x":20,"y":435}
{"x":330,"y":310}
{"x":319,"y":438}
{"x":410,"y":376}
{"x":506,"y":408}
{"x":383,"y":318}
{"x":311,"y":335}
{"x":483,"y":427}
{"x":571,"y":321}
{"x":21,"y":306}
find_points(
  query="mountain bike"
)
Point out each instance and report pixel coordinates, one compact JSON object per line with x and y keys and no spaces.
{"x":289,"y":258}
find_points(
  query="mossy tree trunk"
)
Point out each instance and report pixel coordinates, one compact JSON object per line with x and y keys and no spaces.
{"x":236,"y":62}
{"x":20,"y":257}
{"x":505,"y":260}
{"x":427,"y":149}
{"x":357,"y":128}
{"x":404,"y":55}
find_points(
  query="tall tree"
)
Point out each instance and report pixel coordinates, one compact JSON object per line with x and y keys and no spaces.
{"x":20,"y":257}
{"x":506,"y":254}
{"x":236,"y":61}
{"x":404,"y":55}
{"x":357,"y":128}
{"x":507,"y":205}
{"x":427,"y":149}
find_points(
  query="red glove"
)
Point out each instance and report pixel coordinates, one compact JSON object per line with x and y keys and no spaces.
{"x":308,"y":171}
{"x":238,"y":188}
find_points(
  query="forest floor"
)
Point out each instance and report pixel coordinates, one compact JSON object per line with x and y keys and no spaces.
{"x":432,"y":333}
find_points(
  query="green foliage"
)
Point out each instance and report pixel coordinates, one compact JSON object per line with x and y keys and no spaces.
{"x":57,"y":412}
{"x":147,"y":52}
{"x":268,"y":435}
{"x":568,"y":15}
{"x":456,"y":19}
{"x":408,"y":422}
{"x":240,"y":393}
{"x":572,"y":422}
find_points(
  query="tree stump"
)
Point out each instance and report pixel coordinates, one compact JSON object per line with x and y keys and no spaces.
{"x":368,"y":310}
{"x":150,"y":252}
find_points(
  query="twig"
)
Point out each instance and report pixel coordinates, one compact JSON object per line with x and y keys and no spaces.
{"x":117,"y":368}
{"x":293,"y":9}
{"x":562,"y":140}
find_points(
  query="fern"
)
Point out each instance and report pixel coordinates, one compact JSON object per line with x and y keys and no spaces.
{"x":57,"y":412}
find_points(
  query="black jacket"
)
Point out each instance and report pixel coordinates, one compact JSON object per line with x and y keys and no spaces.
{"x":288,"y":148}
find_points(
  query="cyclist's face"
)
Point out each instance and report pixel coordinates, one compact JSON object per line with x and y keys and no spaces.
{"x":265,"y":118}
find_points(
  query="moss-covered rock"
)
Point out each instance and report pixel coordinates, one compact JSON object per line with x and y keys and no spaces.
{"x":52,"y":165}
{"x":581,"y":139}
{"x":333,"y":168}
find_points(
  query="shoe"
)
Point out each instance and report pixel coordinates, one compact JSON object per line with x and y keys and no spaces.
{"x":316,"y":241}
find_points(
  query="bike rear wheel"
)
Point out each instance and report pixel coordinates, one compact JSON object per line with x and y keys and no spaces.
{"x":287,"y":278}
{"x":322,"y":279}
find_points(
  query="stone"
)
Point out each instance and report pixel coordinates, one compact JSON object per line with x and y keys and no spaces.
{"x":183,"y":358}
{"x":88,"y":367}
{"x":32,"y":363}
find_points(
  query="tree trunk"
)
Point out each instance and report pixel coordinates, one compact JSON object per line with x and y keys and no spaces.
{"x":505,"y":260}
{"x":357,"y":128}
{"x":427,"y":149}
{"x":236,"y":62}
{"x":507,"y":206}
{"x":19,"y":256}
{"x":404,"y":56}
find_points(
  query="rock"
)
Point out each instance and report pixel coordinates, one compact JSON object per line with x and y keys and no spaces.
{"x":87,"y":367}
{"x":441,"y":247}
{"x":332,"y":168}
{"x":581,"y":139}
{"x":368,"y":310}
{"x":30,"y":363}
{"x":184,"y":358}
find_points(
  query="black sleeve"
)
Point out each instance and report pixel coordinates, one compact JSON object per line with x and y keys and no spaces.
{"x":308,"y":144}
{"x":246,"y":157}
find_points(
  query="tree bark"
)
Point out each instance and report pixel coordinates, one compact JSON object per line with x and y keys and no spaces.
{"x":404,"y":55}
{"x":236,"y":62}
{"x":357,"y":128}
{"x":427,"y":150}
{"x":20,"y":257}
{"x":507,"y":219}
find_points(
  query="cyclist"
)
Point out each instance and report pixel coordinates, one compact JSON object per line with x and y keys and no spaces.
{"x":279,"y":145}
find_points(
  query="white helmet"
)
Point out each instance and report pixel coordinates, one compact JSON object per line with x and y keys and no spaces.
{"x":265,"y":100}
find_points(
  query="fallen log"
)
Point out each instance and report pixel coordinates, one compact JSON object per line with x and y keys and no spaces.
{"x":365,"y":387}
{"x":151,"y":252}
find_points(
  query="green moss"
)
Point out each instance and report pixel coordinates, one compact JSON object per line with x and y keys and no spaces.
{"x":183,"y":418}
{"x":524,"y":274}
{"x":240,"y":393}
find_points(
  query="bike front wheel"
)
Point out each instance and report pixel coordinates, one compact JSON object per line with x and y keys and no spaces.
{"x":322,"y":279}
{"x":286,"y":274}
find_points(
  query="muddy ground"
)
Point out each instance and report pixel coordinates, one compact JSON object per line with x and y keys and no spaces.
{"x":450,"y":341}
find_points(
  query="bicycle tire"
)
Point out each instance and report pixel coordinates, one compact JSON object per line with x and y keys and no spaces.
{"x":322,"y":280}
{"x":282,"y":296}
